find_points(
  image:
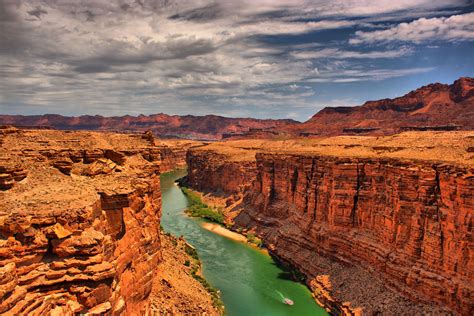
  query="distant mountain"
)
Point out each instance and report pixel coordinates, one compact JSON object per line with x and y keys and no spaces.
{"x":195,"y":127}
{"x":432,"y":107}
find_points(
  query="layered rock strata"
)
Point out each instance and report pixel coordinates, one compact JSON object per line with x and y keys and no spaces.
{"x":376,"y":234}
{"x":435,"y":107}
{"x":173,"y":153}
{"x":212,"y":171}
{"x":411,"y":221}
{"x":80,"y":223}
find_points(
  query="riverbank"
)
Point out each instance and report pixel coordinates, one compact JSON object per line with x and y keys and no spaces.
{"x":337,"y":282}
{"x":213,"y":209}
{"x":320,"y":286}
{"x":247,"y":277}
{"x":220,"y":230}
{"x":177,"y":286}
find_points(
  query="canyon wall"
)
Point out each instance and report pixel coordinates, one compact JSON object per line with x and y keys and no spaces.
{"x":172,"y":158}
{"x":412,"y":221}
{"x":173,"y":153}
{"x":79,"y":223}
{"x":380,"y":234}
{"x":215,"y":172}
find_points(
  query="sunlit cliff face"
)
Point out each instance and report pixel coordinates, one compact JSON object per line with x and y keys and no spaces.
{"x":234,"y":58}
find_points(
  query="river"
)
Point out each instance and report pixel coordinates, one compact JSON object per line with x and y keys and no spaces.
{"x":247,"y":277}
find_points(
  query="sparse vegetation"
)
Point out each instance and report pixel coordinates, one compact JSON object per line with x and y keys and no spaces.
{"x":195,"y":268}
{"x":199,"y":209}
{"x":216,"y":299}
{"x":253,"y":239}
{"x":192,"y":253}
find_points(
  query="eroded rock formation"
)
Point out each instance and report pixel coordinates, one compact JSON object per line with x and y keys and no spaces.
{"x":368,"y":230}
{"x":211,"y":171}
{"x":409,"y":220}
{"x":173,"y":153}
{"x":80,"y":224}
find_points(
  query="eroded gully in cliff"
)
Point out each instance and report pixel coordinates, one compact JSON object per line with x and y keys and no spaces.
{"x":247,"y":278}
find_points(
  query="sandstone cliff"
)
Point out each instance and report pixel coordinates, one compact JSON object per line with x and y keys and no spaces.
{"x":409,"y":220}
{"x":79,"y":223}
{"x":173,"y":153}
{"x":369,"y":227}
{"x":213,"y":171}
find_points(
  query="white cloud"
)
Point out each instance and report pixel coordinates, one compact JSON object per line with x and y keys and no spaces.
{"x":335,"y":53}
{"x":453,"y":28}
{"x":355,"y":75}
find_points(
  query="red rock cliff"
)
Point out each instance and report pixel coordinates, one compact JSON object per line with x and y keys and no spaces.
{"x":384,"y":229}
{"x":410,"y":221}
{"x":209,"y":171}
{"x":79,"y":223}
{"x":173,"y":153}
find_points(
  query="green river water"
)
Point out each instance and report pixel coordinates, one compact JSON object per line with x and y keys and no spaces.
{"x":247,"y":278}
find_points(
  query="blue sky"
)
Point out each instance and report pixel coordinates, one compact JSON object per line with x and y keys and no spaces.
{"x":261,"y":58}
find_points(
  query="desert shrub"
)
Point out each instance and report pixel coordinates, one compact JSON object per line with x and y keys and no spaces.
{"x":199,"y":209}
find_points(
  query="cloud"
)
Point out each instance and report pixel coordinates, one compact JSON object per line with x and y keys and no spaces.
{"x":453,"y":28}
{"x":37,"y":12}
{"x":207,"y":13}
{"x":198,"y":56}
{"x":357,"y":75}
{"x":335,"y":53}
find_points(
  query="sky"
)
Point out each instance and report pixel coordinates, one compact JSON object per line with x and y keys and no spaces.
{"x":248,"y":58}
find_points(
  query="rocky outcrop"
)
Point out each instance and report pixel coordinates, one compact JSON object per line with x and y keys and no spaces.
{"x":9,"y":174}
{"x":209,"y":171}
{"x":79,"y":223}
{"x":82,"y":233}
{"x":80,"y":227}
{"x":374,"y":230}
{"x":410,"y":221}
{"x":92,"y":259}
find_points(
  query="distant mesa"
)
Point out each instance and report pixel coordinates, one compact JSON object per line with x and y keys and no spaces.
{"x":435,"y":107}
{"x":208,"y":127}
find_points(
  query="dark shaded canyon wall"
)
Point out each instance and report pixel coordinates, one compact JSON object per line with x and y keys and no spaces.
{"x":411,"y":221}
{"x":98,"y":258}
{"x":171,"y":158}
{"x":209,"y":171}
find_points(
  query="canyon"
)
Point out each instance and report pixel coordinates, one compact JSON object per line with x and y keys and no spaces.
{"x":376,"y":224}
{"x":80,"y":227}
{"x":372,"y":204}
